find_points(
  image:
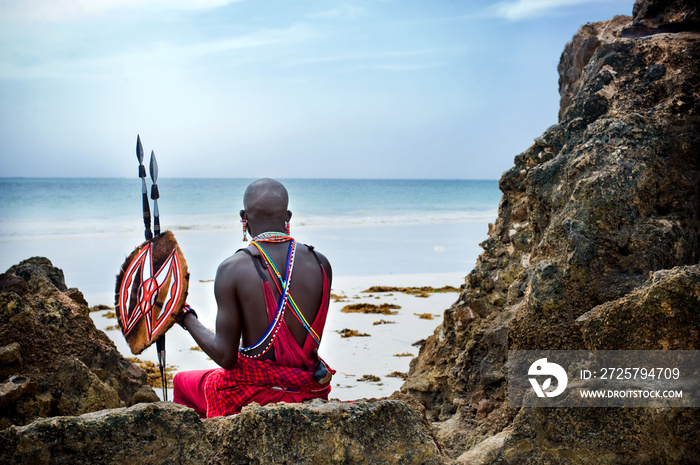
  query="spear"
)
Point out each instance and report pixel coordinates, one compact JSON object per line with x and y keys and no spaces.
{"x":160,"y":342}
{"x":144,"y":191}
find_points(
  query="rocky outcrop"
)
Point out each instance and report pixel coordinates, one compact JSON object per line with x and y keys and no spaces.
{"x":54,"y":361}
{"x":602,"y":435}
{"x":578,"y":52}
{"x":318,"y":432}
{"x":148,"y":434}
{"x":379,"y":432}
{"x":653,"y":16}
{"x":664,"y":312}
{"x":596,"y":246}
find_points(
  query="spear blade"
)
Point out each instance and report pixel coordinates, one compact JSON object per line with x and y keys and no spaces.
{"x":154,"y":193}
{"x":154,"y":167}
{"x":139,"y":149}
{"x":144,"y":191}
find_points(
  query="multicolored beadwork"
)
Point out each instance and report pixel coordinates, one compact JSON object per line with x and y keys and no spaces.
{"x":272,"y":236}
{"x":271,"y":332}
{"x":279,"y":283}
{"x":245,"y":230}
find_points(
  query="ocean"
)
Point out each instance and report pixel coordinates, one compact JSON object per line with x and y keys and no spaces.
{"x":365,"y":227}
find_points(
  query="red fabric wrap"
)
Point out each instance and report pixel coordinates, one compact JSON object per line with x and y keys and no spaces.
{"x":264,"y":382}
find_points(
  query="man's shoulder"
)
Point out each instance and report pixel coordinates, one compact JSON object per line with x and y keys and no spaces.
{"x":318,"y":255}
{"x":236,"y":264}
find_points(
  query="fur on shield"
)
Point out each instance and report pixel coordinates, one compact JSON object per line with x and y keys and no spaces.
{"x":151,"y":291}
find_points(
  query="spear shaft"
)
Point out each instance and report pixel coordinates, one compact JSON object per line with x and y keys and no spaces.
{"x":160,"y":342}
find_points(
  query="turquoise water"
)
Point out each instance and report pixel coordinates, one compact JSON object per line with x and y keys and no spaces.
{"x":41,"y":207}
{"x":365,"y":227}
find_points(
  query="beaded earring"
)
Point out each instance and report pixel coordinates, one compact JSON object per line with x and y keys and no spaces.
{"x":286,"y":227}
{"x":245,"y":230}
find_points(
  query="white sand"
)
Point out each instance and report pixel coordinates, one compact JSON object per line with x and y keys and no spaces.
{"x":352,"y":357}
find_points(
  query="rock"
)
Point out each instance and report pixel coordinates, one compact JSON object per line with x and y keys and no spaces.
{"x":145,"y":434}
{"x":12,"y":283}
{"x":600,"y":202}
{"x":39,"y":272}
{"x":578,"y":52}
{"x":19,"y":398}
{"x":10,"y":359}
{"x":666,"y":15}
{"x":602,"y":435}
{"x":385,"y":431}
{"x":363,"y":432}
{"x":144,"y":394}
{"x":486,"y":452}
{"x":54,"y":346}
{"x":11,"y":391}
{"x":664,"y":311}
{"x":75,"y":377}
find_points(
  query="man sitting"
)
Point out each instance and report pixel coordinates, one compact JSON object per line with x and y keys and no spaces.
{"x":273,"y":296}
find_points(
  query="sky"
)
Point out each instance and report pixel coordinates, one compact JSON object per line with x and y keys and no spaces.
{"x":422,"y":89}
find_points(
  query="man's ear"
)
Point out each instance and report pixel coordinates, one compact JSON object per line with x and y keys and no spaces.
{"x":243,"y":214}
{"x":289,"y":216}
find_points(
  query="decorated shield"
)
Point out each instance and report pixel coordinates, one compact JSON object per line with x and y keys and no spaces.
{"x":151,"y":291}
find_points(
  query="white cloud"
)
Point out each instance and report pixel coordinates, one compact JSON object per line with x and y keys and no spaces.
{"x":522,"y":9}
{"x":67,"y":10}
{"x":294,"y":33}
{"x":162,"y":55}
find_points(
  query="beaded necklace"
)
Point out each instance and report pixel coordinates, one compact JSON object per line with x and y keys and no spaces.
{"x":279,"y":283}
{"x":272,"y":236}
{"x":271,"y":332}
{"x":293,"y":305}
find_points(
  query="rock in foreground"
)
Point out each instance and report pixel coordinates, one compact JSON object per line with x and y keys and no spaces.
{"x":386,"y":431}
{"x":146,"y":434}
{"x":54,"y":361}
{"x":318,"y":432}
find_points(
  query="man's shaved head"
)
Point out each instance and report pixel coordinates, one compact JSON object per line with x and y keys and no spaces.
{"x":266,"y":198}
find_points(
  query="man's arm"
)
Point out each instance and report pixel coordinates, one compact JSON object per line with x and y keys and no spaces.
{"x":221,"y":346}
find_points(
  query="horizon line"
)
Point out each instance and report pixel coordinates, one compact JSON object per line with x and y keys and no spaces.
{"x":253,"y":178}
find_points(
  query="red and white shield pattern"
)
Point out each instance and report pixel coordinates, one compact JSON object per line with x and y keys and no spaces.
{"x":157,"y":294}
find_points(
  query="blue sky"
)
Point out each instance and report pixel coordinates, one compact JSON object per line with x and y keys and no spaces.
{"x":282,"y":88}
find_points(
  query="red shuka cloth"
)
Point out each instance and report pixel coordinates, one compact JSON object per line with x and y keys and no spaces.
{"x":286,"y":379}
{"x":264,"y":382}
